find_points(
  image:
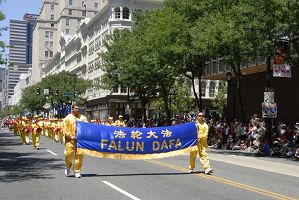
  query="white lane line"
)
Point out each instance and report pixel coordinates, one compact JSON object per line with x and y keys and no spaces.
{"x":55,"y":154}
{"x":120,"y":190}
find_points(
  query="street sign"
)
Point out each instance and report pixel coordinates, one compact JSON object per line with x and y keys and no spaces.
{"x":46,"y":91}
{"x":269,"y":97}
{"x":269,"y":110}
{"x":68,"y":94}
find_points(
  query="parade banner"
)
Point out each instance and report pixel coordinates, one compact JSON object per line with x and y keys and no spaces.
{"x":135,"y":143}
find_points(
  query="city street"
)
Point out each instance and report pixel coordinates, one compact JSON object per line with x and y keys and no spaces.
{"x":26,"y":173}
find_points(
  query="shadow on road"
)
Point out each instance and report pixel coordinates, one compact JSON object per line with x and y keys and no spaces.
{"x":16,"y":165}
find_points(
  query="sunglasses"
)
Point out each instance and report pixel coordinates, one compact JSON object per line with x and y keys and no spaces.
{"x":200,"y":115}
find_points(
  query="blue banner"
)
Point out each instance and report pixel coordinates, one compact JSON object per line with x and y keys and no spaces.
{"x":135,"y":143}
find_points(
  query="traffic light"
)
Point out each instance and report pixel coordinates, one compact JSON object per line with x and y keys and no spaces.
{"x":38,"y":91}
{"x":56,"y":92}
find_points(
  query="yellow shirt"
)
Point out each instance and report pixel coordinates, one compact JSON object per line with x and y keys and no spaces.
{"x":70,"y":123}
{"x":202,"y":133}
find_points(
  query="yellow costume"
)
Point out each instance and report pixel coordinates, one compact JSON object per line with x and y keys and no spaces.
{"x":24,"y":132}
{"x":202,"y":135}
{"x":36,"y":131}
{"x":120,"y":121}
{"x":70,"y":144}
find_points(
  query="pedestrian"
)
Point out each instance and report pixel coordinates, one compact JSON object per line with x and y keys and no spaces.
{"x":202,"y":144}
{"x":70,"y":141}
{"x":120,"y":121}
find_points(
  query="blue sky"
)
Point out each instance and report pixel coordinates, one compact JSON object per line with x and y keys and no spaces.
{"x":15,"y":9}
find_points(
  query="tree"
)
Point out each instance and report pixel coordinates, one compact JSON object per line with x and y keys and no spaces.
{"x":2,"y":44}
{"x":143,"y":59}
{"x":61,"y":82}
{"x":220,"y":101}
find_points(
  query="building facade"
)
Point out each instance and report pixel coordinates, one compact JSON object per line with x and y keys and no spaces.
{"x":20,"y":53}
{"x":79,"y":55}
{"x":57,"y":18}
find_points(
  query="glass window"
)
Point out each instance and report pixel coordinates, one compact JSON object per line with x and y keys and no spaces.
{"x":117,"y":13}
{"x":203,"y":88}
{"x":70,"y":12}
{"x":212,"y":89}
{"x":51,"y":45}
{"x":52,"y":7}
{"x":52,"y":17}
{"x":67,"y":21}
{"x":46,"y":54}
{"x":83,"y":13}
{"x":123,"y":89}
{"x":96,"y":4}
{"x":67,"y":31}
{"x":126,"y":13}
{"x":47,"y":33}
{"x":70,"y":2}
{"x":47,"y":44}
{"x":51,"y":35}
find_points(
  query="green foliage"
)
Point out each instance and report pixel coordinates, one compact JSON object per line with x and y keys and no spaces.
{"x":63,"y":82}
{"x":220,"y":101}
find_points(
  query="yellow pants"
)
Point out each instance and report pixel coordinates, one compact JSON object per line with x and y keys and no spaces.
{"x":202,"y":155}
{"x":35,"y":140}
{"x":61,"y":137}
{"x":24,"y":137}
{"x":70,"y":154}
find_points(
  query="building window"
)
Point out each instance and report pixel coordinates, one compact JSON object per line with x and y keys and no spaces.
{"x":212,"y":89}
{"x":52,"y":25}
{"x":70,"y":2}
{"x":126,"y":13}
{"x":51,"y":35}
{"x":47,"y":33}
{"x":67,"y":21}
{"x":96,"y":4}
{"x":115,"y":90}
{"x":83,"y":13}
{"x":70,"y":12}
{"x":51,"y":54}
{"x":46,"y":54}
{"x":117,"y":13}
{"x":123,"y":89}
{"x":51,"y":45}
{"x":52,"y":7}
{"x":47,"y":44}
{"x":52,"y":17}
{"x":67,"y":31}
{"x":203,"y":88}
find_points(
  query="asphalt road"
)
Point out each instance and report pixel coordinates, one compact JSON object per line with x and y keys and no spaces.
{"x":26,"y":173}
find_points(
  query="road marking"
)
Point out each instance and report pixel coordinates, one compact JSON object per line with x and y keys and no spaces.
{"x":121,"y":190}
{"x":226,"y":181}
{"x":55,"y":154}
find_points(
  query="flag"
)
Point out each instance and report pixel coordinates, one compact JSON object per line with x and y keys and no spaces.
{"x":135,"y":143}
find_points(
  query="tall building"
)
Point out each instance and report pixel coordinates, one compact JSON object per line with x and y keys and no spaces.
{"x":57,"y":18}
{"x":20,"y":53}
{"x":79,"y":55}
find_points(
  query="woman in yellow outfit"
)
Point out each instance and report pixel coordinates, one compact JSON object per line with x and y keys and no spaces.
{"x":36,"y":132}
{"x":25,"y":130}
{"x":70,"y":141}
{"x":202,"y":136}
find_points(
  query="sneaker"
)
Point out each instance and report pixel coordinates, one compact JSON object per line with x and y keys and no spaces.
{"x":191,"y":171}
{"x":67,"y":171}
{"x":208,"y":171}
{"x":77,"y":175}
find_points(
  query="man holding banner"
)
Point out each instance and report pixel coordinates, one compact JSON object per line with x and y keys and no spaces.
{"x":70,"y":141}
{"x":202,"y":136}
